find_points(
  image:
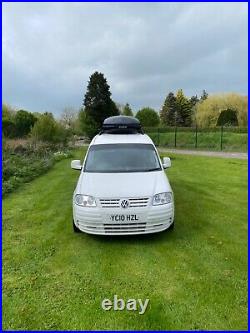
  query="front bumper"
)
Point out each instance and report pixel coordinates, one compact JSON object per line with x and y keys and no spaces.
{"x":93,"y":220}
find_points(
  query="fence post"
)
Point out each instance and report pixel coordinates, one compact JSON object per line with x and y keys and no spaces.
{"x":158,"y":137}
{"x":175,"y":135}
{"x":196,"y":136}
{"x":221,"y":138}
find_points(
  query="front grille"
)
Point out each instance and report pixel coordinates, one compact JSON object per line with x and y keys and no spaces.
{"x":138,"y":202}
{"x":124,"y":227}
{"x":115,"y":203}
{"x":110,"y":203}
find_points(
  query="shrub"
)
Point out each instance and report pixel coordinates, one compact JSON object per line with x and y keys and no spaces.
{"x":60,"y":155}
{"x":8,"y":121}
{"x":24,"y":122}
{"x":227,"y":118}
{"x":87,"y":125}
{"x":208,"y":111}
{"x":46,"y":129}
{"x":9,"y":127}
{"x":22,"y":163}
{"x":148,"y":117}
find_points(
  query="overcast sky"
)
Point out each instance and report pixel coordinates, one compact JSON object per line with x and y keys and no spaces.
{"x":145,"y":50}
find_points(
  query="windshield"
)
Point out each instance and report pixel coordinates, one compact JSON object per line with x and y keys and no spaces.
{"x":122,"y":158}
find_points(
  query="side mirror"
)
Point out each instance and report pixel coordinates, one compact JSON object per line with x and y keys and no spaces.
{"x":76,"y":164}
{"x":166,"y":162}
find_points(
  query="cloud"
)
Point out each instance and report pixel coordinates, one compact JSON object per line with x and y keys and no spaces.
{"x":144,"y":49}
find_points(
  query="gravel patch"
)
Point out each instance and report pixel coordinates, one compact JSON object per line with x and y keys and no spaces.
{"x":243,"y":156}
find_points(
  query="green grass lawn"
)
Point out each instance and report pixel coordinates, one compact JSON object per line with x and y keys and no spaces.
{"x":195,"y":276}
{"x":205,"y":140}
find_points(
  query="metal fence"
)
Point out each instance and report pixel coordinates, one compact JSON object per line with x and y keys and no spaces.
{"x":218,"y":138}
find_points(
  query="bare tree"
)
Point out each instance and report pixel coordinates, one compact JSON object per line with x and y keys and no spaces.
{"x":68,"y":117}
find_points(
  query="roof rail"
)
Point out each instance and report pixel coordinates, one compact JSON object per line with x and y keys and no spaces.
{"x":121,"y":125}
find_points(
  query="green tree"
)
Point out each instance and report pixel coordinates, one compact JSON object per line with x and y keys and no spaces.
{"x":6,"y":111}
{"x":193,"y":100}
{"x":86,"y":124}
{"x":37,"y":114}
{"x":208,"y":112}
{"x":97,"y":101}
{"x":168,"y":112}
{"x":227,"y":117}
{"x":148,"y":117}
{"x":184,"y":110}
{"x":24,"y":122}
{"x":8,"y":121}
{"x":127,"y":111}
{"x":48,"y":130}
{"x":8,"y":127}
{"x":204,"y":95}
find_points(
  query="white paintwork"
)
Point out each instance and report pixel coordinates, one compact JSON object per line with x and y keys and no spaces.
{"x":121,"y":186}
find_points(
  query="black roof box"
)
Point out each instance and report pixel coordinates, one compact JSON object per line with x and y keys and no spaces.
{"x":121,"y":125}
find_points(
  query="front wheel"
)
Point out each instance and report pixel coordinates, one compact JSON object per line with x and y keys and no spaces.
{"x":75,"y":229}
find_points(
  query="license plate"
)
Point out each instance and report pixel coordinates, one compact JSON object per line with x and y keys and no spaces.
{"x":124,"y":218}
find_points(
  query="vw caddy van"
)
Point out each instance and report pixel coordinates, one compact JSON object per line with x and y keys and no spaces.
{"x":123,"y":188}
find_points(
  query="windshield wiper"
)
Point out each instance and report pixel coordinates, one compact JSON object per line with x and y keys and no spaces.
{"x":153,"y":169}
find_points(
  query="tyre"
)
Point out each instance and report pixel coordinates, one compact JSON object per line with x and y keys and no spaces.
{"x":75,"y":229}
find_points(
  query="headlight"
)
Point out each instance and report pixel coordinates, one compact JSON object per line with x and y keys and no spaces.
{"x":162,"y":198}
{"x":85,"y":200}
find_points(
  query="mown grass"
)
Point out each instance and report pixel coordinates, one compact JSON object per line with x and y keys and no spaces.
{"x":231,"y":141}
{"x":195,"y":276}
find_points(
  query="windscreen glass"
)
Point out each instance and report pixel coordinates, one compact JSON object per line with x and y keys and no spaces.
{"x":122,"y":158}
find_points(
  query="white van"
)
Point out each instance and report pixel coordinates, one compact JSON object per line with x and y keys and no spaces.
{"x":122,"y":188}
